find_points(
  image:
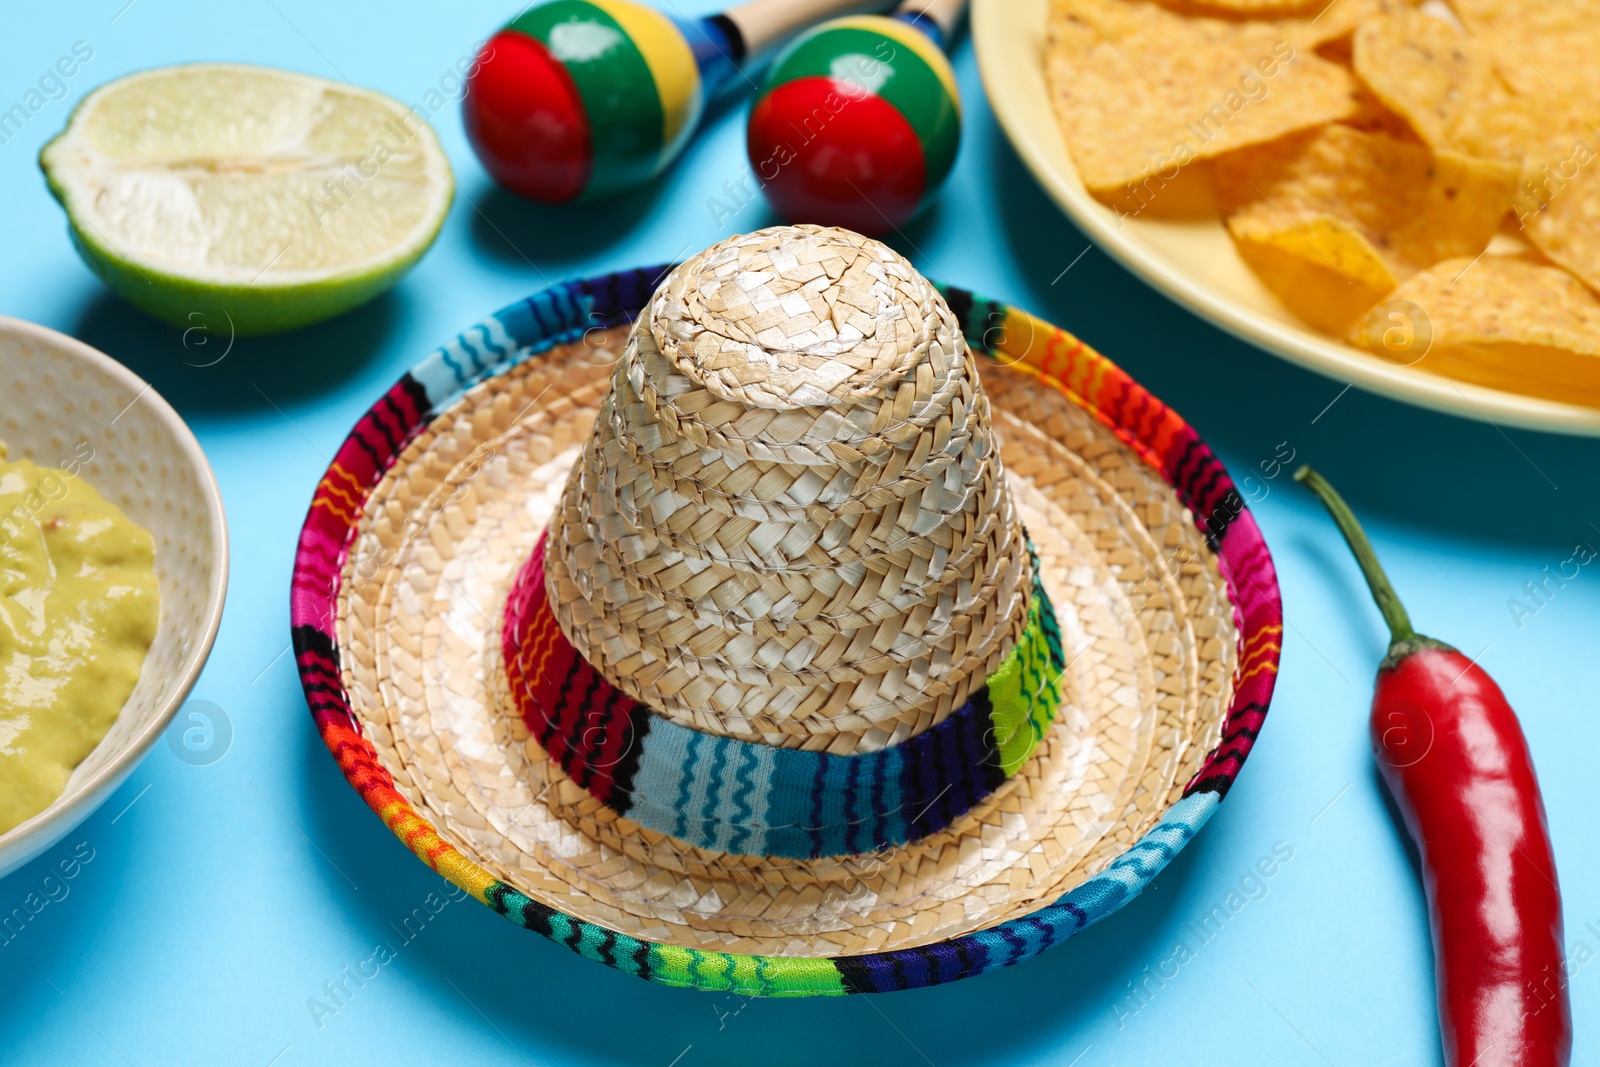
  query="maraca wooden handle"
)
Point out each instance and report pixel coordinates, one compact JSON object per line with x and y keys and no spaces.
{"x":763,"y":23}
{"x":943,"y":13}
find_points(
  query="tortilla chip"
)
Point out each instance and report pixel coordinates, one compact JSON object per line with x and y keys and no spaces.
{"x":1373,"y":116}
{"x":1188,"y":195}
{"x":1507,"y":322}
{"x":1356,"y":145}
{"x":1321,"y":20}
{"x":1141,"y":91}
{"x":1367,"y":208}
{"x":1323,"y":270}
{"x":1558,"y":204}
{"x":1452,"y":88}
{"x":1337,"y":18}
{"x":1540,"y":46}
{"x":1501,"y":300}
{"x":1258,"y":9}
{"x":1445,"y":83}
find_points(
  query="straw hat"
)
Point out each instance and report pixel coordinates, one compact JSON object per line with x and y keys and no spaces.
{"x":790,"y":627}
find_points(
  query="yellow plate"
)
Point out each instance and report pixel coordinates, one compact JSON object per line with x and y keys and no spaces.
{"x":1192,"y":260}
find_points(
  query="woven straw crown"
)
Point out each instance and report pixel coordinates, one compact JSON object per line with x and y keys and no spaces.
{"x":790,"y":524}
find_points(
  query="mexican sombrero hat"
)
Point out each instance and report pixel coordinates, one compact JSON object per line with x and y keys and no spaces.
{"x":793,"y":626}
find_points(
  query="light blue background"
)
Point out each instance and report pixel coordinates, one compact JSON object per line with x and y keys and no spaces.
{"x":221,"y":898}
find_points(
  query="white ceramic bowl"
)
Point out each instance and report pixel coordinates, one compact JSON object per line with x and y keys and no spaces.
{"x":64,"y":404}
{"x":1192,"y":259}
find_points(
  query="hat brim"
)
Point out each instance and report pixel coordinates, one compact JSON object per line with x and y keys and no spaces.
{"x":1164,"y":585}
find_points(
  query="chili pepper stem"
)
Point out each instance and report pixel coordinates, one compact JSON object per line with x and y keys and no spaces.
{"x":1394,"y":612}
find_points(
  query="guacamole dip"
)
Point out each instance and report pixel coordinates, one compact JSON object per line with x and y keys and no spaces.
{"x":78,"y":608}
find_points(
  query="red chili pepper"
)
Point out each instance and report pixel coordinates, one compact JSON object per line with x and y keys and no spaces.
{"x":1453,"y":756}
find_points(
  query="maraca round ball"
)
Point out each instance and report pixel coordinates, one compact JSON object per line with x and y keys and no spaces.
{"x":856,"y":125}
{"x":582,"y":98}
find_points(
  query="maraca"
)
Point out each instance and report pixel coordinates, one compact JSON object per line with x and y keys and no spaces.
{"x":584,"y":98}
{"x":858,"y":119}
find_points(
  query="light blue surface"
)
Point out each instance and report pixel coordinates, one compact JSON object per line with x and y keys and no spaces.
{"x":220,"y":899}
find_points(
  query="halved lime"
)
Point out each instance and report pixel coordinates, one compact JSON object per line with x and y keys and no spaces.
{"x":278,"y":197}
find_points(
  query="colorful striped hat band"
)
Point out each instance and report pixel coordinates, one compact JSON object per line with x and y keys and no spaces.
{"x":747,"y":798}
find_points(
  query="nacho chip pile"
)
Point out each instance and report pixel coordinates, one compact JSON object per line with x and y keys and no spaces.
{"x":1367,"y":156}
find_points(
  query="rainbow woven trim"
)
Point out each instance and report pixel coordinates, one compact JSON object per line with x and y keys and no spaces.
{"x":759,"y":800}
{"x":1057,"y":360}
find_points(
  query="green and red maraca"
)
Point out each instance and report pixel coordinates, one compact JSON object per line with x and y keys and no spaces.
{"x":584,"y":98}
{"x":858,"y":120}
